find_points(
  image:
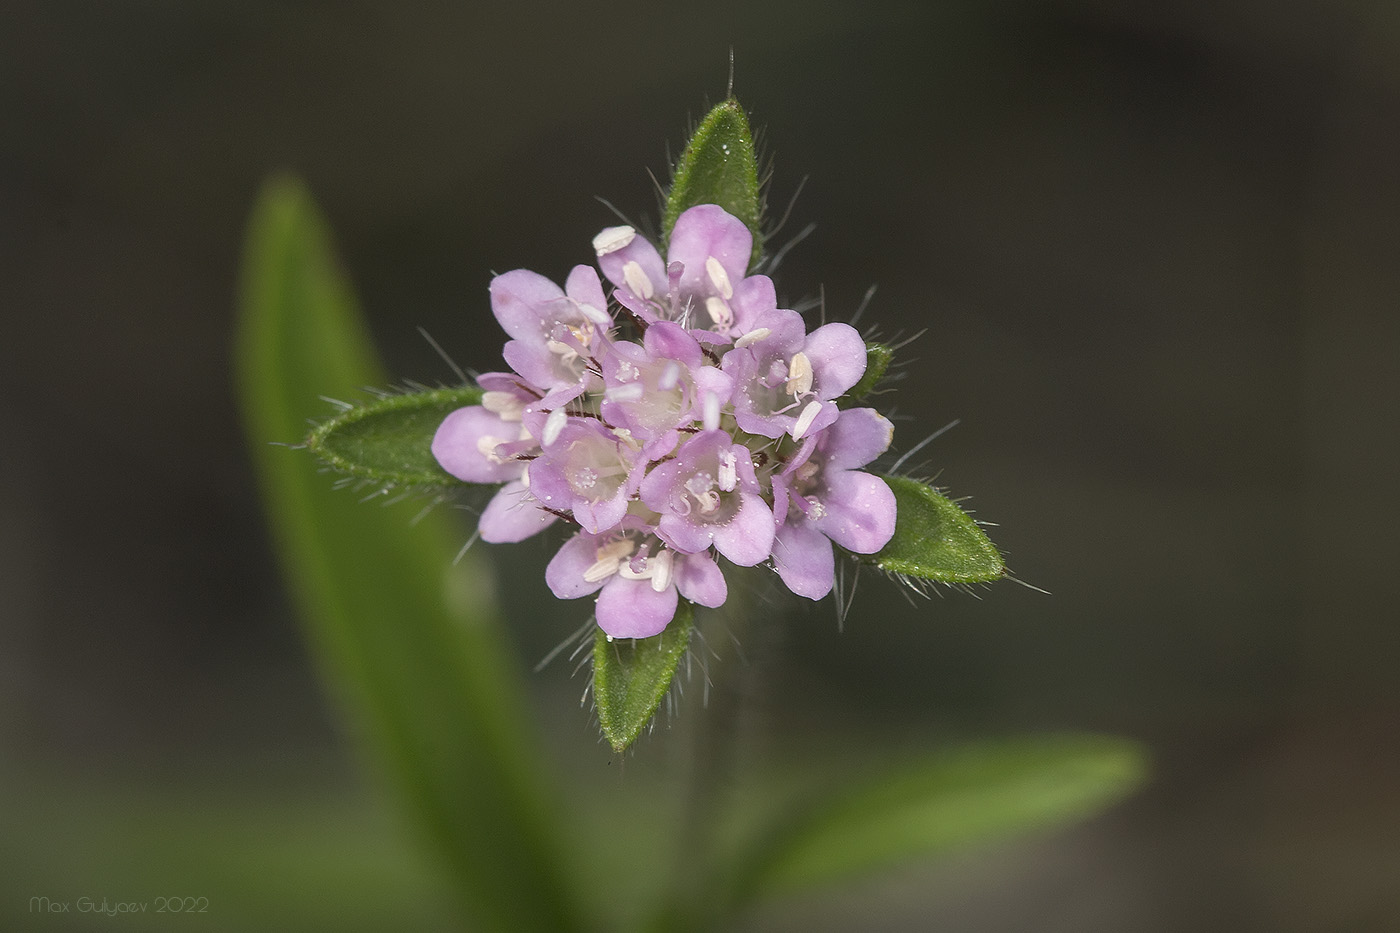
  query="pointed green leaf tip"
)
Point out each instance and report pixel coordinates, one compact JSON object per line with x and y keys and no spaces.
{"x":390,"y":440}
{"x":631,"y":675}
{"x":719,"y":166}
{"x":936,"y":540}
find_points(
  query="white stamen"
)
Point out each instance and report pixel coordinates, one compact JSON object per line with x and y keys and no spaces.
{"x":711,"y":414}
{"x":525,"y":476}
{"x":708,"y":500}
{"x":625,"y":393}
{"x":636,"y":279}
{"x":728,"y":475}
{"x":609,"y":560}
{"x":804,"y":420}
{"x":593,"y":314}
{"x":669,"y":376}
{"x":503,"y":404}
{"x":613,"y":239}
{"x":486,"y":446}
{"x":752,"y":337}
{"x":815,"y":509}
{"x":553,"y":425}
{"x":719,"y":311}
{"x":719,"y":278}
{"x":799,"y":380}
{"x":566,"y":353}
{"x":659,"y":567}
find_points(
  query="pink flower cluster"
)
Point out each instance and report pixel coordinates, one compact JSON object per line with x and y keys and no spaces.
{"x":715,"y":433}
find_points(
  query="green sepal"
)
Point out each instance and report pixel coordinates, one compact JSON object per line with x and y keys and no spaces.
{"x":877,"y":362}
{"x":632,"y":675}
{"x":719,"y":166}
{"x":390,"y":440}
{"x":936,"y":540}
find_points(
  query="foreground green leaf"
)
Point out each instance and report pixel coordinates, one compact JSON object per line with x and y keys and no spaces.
{"x":408,"y":643}
{"x":390,"y":440}
{"x":719,"y":166}
{"x":877,"y":362}
{"x":631,"y":676}
{"x":936,"y":540}
{"x":980,"y":793}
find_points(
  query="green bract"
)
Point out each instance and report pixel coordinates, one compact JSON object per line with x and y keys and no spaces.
{"x":719,"y":166}
{"x":632,"y":675}
{"x":390,"y":440}
{"x":936,"y":540}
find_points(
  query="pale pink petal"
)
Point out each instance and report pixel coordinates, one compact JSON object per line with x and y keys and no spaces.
{"x":632,"y":609}
{"x":566,"y":569}
{"x":837,"y":355}
{"x":512,"y":515}
{"x":699,"y":579}
{"x":458,"y":443}
{"x":804,"y":560}
{"x":857,"y":511}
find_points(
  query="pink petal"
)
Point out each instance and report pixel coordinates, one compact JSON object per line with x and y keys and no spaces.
{"x":512,"y":515}
{"x":859,"y":511}
{"x":709,"y":230}
{"x":858,"y":436}
{"x":632,"y":609}
{"x":747,"y":538}
{"x":699,"y":579}
{"x":566,"y":569}
{"x":455,"y":446}
{"x":804,"y":559}
{"x":838,"y":359}
{"x":521,"y":301}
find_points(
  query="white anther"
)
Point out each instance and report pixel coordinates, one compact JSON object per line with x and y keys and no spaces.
{"x":593,"y":314}
{"x":708,"y":501}
{"x":525,"y":476}
{"x":553,"y":426}
{"x":804,"y":420}
{"x":670,"y":375}
{"x":566,"y":353}
{"x":711,"y":413}
{"x":609,"y":560}
{"x":486,"y":446}
{"x":659,"y":567}
{"x":613,"y":239}
{"x":799,"y":380}
{"x":625,"y":393}
{"x":636,"y":279}
{"x":752,"y":337}
{"x":719,"y":311}
{"x":503,"y":404}
{"x":728,"y":474}
{"x":719,"y":278}
{"x":815,"y":509}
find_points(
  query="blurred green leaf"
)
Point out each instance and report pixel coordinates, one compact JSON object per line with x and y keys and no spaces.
{"x":877,"y":361}
{"x":632,"y":675}
{"x":407,"y":641}
{"x":389,"y":440}
{"x":936,"y":540}
{"x":719,"y":166}
{"x":979,"y":793}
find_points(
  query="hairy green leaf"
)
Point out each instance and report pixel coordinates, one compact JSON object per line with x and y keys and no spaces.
{"x":979,"y":793}
{"x":936,"y":540}
{"x":390,"y":440}
{"x":719,"y":166}
{"x":408,"y":642}
{"x":632,"y":675}
{"x":877,"y":361}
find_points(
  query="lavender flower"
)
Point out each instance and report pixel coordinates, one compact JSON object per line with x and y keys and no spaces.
{"x":715,"y":434}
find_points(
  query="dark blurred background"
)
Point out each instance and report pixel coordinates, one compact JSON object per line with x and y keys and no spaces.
{"x":1153,"y":251}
